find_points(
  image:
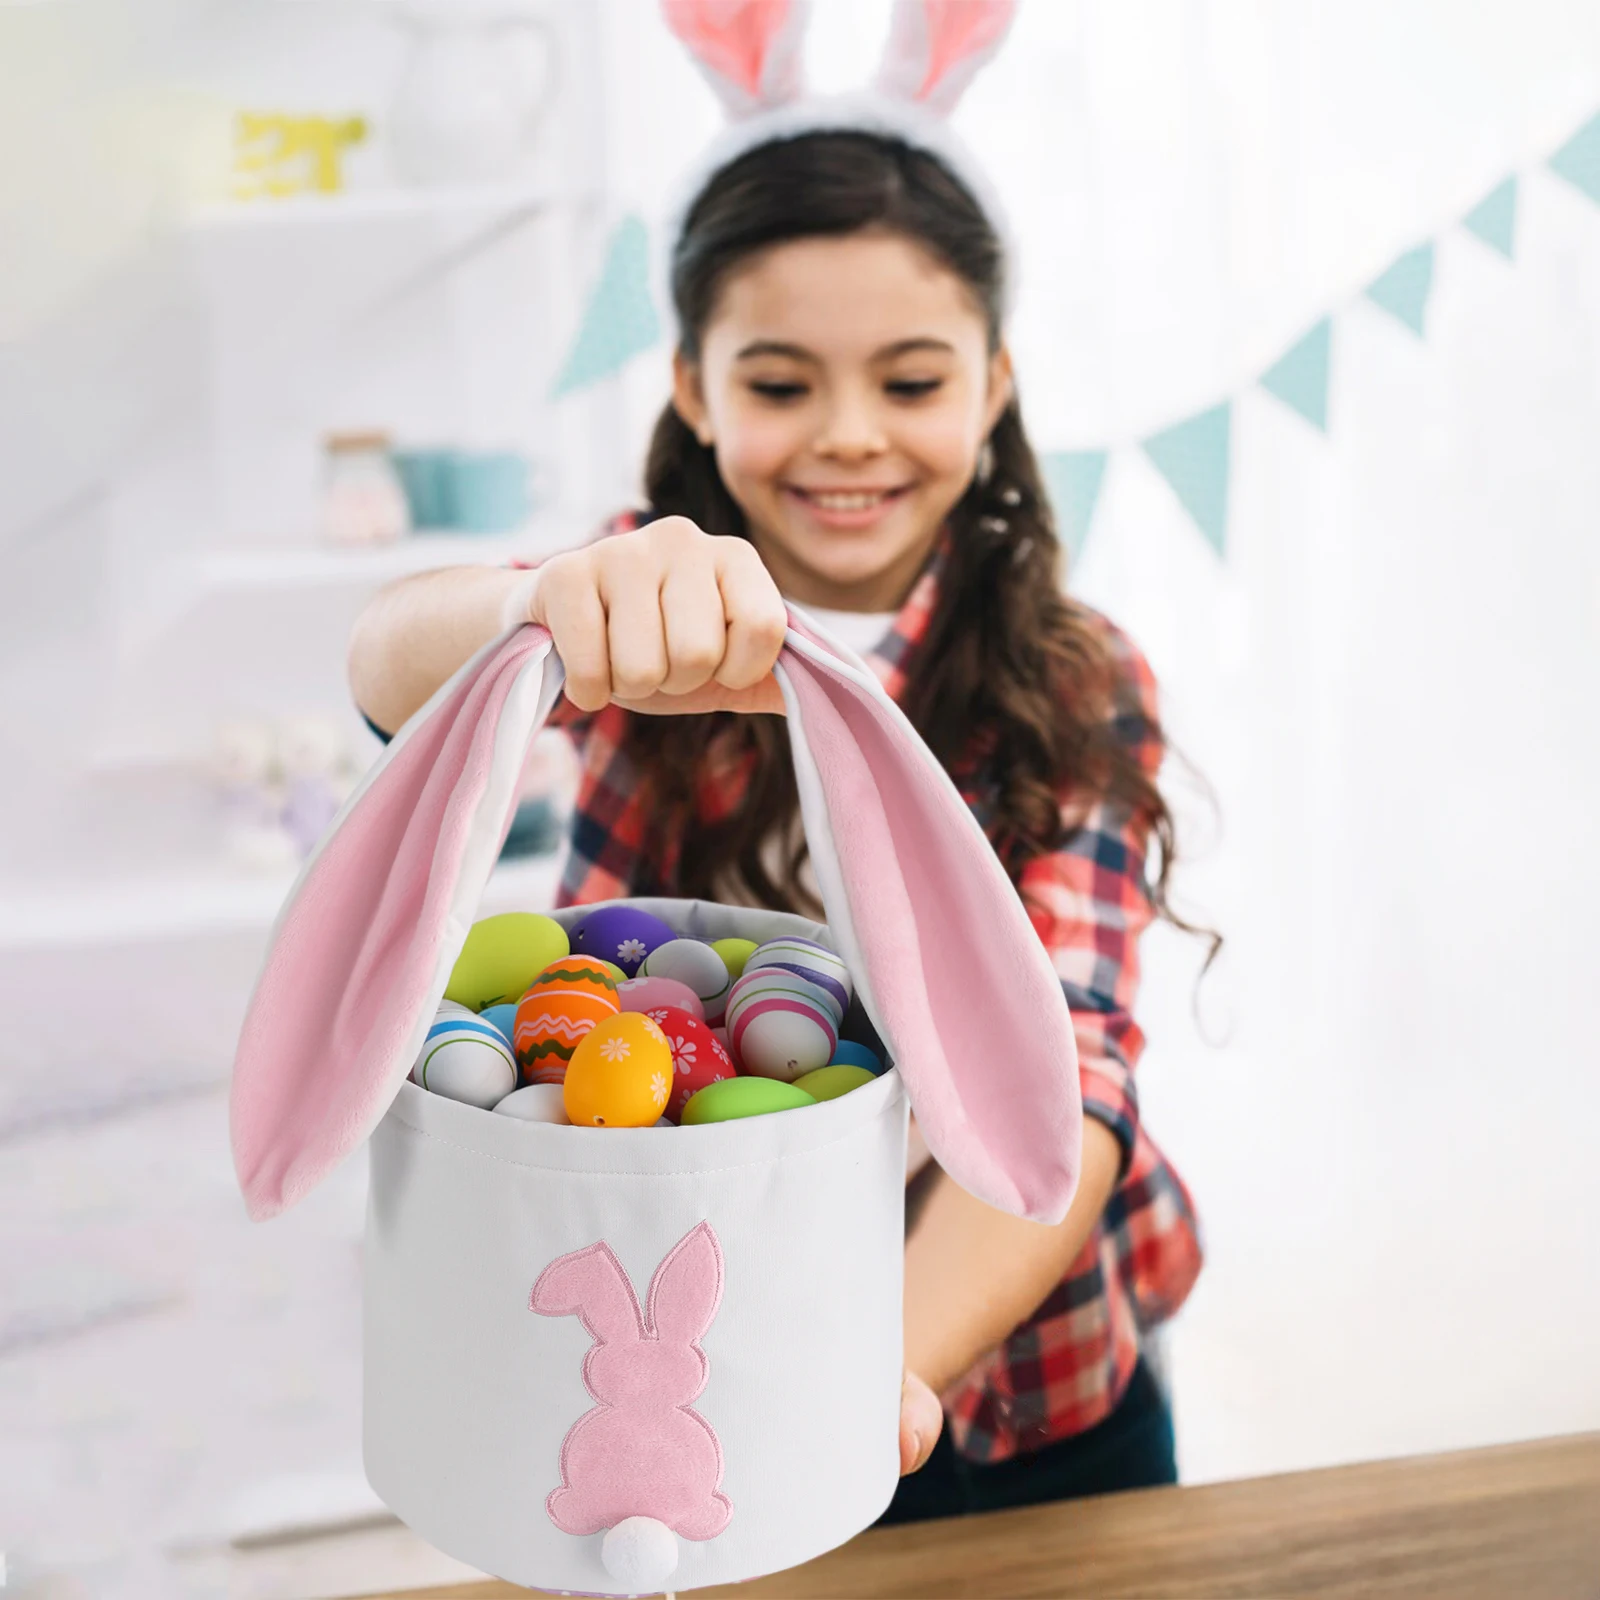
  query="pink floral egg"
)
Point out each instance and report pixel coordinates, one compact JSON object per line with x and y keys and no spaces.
{"x":697,"y":1058}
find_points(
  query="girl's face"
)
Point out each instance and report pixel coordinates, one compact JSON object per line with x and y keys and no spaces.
{"x":847,"y":387}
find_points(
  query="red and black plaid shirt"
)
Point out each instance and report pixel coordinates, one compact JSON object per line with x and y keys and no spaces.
{"x":1067,"y":1366}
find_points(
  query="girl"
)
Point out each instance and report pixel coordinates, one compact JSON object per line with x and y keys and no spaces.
{"x":844,"y":432}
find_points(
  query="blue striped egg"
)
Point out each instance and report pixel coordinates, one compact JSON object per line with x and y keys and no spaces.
{"x":465,"y":1058}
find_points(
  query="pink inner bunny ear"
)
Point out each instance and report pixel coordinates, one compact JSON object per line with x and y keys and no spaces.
{"x":951,"y":969}
{"x":341,"y":1007}
{"x":687,"y":1287}
{"x":591,"y":1285}
{"x":936,"y":47}
{"x":749,"y":50}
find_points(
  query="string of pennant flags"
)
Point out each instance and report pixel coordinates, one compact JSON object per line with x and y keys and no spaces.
{"x":1192,"y":455}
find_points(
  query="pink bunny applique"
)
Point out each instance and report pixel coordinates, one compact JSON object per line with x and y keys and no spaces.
{"x":641,"y":1451}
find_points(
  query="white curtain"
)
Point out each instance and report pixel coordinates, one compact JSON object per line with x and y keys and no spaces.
{"x":1385,"y":1103}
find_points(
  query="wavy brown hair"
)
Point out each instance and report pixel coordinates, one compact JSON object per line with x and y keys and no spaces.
{"x":1014,"y":683}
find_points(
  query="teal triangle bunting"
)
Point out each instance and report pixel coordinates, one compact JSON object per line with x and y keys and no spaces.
{"x":1402,"y":291}
{"x":1072,"y":479}
{"x":1193,"y":457}
{"x":1494,"y":218}
{"x":1299,"y":377}
{"x":1578,"y":160}
{"x":620,"y":319}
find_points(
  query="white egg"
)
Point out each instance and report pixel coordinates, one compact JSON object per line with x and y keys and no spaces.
{"x":538,"y":1102}
{"x":690,"y":962}
{"x":465,"y":1059}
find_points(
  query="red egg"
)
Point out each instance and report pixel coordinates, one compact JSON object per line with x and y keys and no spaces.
{"x":697,"y":1057}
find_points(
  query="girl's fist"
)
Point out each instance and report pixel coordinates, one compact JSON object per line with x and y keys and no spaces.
{"x":664,"y":619}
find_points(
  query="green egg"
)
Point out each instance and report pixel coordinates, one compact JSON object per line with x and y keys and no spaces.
{"x":734,"y":953}
{"x":828,"y":1083}
{"x":733,"y":1098}
{"x":502,"y":956}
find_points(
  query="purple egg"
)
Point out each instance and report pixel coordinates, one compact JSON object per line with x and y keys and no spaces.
{"x":622,"y":934}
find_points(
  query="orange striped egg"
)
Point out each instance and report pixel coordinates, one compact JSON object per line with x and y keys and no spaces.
{"x":561,"y":1005}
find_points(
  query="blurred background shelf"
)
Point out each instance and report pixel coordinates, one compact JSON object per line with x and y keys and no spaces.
{"x":301,"y":565}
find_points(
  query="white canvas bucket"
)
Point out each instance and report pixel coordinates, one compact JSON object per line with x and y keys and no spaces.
{"x":600,"y":1360}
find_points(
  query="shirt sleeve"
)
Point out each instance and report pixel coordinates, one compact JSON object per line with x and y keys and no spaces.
{"x":1089,"y":901}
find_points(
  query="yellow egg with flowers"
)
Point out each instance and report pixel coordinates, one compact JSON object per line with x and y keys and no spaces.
{"x":620,"y":1075}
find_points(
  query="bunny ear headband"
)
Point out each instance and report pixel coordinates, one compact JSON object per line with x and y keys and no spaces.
{"x":750,"y":52}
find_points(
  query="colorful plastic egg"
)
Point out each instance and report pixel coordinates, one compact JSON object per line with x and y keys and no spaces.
{"x":465,"y":1058}
{"x":503,"y":1017}
{"x":828,"y":1083}
{"x":562,"y":1004}
{"x":535,"y":1102}
{"x":697,"y":1058}
{"x":734,"y":1098}
{"x":779,"y":980}
{"x":781,"y":1029}
{"x":615,"y":971}
{"x":734,"y":953}
{"x":811,"y":960}
{"x":696,"y":965}
{"x":620,"y":1076}
{"x":623,"y":934}
{"x":502,"y":956}
{"x":652,"y":994}
{"x":847,"y":1053}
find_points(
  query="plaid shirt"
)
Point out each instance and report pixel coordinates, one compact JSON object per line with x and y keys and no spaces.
{"x":1067,"y":1366}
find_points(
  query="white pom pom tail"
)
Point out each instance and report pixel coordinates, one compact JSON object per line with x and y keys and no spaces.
{"x":640,"y":1553}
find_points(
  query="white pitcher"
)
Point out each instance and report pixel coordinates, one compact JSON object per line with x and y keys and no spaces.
{"x":472,"y":92}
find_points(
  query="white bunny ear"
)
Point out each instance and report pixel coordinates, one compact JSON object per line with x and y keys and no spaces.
{"x":749,"y":50}
{"x":936,"y":47}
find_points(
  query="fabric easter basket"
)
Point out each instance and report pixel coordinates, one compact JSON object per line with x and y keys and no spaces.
{"x":595,"y":1360}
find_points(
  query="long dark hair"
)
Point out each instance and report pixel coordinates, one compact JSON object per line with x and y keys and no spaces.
{"x":1013,"y":680}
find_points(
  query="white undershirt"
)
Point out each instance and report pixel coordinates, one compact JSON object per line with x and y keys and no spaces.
{"x":862,"y":631}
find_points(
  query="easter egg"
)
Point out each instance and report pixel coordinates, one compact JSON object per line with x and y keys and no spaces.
{"x":760,"y":982}
{"x":465,"y":1058}
{"x":562,"y":1004}
{"x":828,"y":1083}
{"x":809,"y":959}
{"x":734,"y":953}
{"x":615,"y":971}
{"x":503,"y":1017}
{"x":696,"y":965}
{"x":781,"y":1025}
{"x":535,"y":1102}
{"x":623,"y":934}
{"x":847,"y":1053}
{"x":697,"y":1058}
{"x":502,"y":956}
{"x":651,"y":994}
{"x":620,"y":1076}
{"x":733,"y":1098}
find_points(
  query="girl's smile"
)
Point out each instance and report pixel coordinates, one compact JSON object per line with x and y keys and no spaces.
{"x":846,"y":384}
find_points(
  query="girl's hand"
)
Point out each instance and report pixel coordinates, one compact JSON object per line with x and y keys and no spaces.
{"x":664,"y":619}
{"x":921,"y":1418}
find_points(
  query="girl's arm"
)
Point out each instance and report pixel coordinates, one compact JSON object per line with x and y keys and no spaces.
{"x":974,"y":1274}
{"x":665,"y":618}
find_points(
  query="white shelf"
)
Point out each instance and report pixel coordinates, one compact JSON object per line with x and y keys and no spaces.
{"x":296,"y":566}
{"x":158,"y":907}
{"x":379,"y":204}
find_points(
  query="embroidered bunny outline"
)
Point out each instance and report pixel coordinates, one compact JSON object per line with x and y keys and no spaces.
{"x":641,"y":1451}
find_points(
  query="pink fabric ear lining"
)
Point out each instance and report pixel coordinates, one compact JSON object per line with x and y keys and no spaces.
{"x":936,"y":47}
{"x":748,"y":46}
{"x":356,"y":951}
{"x":981,"y":1030}
{"x":977,"y":1021}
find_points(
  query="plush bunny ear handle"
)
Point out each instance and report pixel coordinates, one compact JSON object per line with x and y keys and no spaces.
{"x":948,"y":965}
